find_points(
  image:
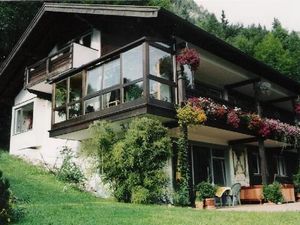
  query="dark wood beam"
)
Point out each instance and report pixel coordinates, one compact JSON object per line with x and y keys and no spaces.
{"x":241,"y":83}
{"x":242,"y":141}
{"x":284,"y":99}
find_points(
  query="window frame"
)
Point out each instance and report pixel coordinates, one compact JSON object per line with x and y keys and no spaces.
{"x":15,"y":116}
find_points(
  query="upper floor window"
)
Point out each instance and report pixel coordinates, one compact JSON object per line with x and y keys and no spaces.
{"x":23,"y":118}
{"x":160,"y":63}
{"x":132,"y":64}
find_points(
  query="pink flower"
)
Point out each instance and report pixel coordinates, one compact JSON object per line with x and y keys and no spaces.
{"x":233,"y":119}
{"x":189,"y":57}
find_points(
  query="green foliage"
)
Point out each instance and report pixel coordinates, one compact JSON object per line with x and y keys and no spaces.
{"x":181,"y":194}
{"x":132,"y":162}
{"x":51,"y":204}
{"x":5,"y":200}
{"x":296,"y":180}
{"x":205,"y":190}
{"x":69,"y":171}
{"x":272,"y":193}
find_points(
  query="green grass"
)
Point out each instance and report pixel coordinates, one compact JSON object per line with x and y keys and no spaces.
{"x":49,"y":203}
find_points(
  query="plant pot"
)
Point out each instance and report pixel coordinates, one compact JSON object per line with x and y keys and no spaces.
{"x":298,"y":197}
{"x":209,"y":203}
{"x":199,"y":204}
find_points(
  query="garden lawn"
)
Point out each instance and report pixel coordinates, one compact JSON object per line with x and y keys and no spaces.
{"x":48,"y":202}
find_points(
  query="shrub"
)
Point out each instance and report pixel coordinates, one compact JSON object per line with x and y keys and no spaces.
{"x":5,"y":200}
{"x":272,"y":193}
{"x":140,"y":195}
{"x":296,"y":180}
{"x":69,"y":171}
{"x":132,"y":160}
{"x":181,"y":195}
{"x":205,"y":190}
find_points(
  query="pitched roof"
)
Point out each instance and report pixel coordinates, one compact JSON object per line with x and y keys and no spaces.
{"x":178,"y":26}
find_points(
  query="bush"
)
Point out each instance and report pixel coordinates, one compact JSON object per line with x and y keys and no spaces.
{"x":140,"y":195}
{"x":272,"y":193}
{"x":69,"y":171}
{"x":5,"y":200}
{"x":296,"y":179}
{"x":181,"y":195}
{"x":133,"y":160}
{"x":205,"y":190}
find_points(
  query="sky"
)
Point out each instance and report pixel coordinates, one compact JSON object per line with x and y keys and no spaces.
{"x":257,"y":11}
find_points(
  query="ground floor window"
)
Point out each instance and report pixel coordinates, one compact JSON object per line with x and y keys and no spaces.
{"x":280,"y":165}
{"x":209,"y":164}
{"x":23,"y":118}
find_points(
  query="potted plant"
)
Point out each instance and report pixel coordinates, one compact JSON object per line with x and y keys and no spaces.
{"x":296,"y":180}
{"x":207,"y":193}
{"x":199,"y":201}
{"x":272,"y":193}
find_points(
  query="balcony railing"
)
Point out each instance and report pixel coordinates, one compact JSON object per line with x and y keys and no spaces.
{"x":71,"y":56}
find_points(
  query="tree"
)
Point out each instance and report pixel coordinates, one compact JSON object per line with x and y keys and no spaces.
{"x":132,"y":161}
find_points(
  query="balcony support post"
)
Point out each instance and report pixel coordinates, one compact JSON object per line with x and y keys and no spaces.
{"x":261,"y":144}
{"x":296,"y":120}
{"x":181,"y":86}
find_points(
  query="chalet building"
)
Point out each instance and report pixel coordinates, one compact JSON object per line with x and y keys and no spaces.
{"x":79,"y":63}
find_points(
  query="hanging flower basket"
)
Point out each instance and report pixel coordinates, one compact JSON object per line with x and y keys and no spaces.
{"x":190,"y":57}
{"x":297,"y":108}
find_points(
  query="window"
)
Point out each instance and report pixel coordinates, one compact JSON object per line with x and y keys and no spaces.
{"x":219,"y":171}
{"x":111,"y":74}
{"x":61,"y":93}
{"x":280,"y":166}
{"x":160,"y":64}
{"x":255,"y":163}
{"x":94,"y":80}
{"x":111,"y":99}
{"x":23,"y":118}
{"x":132,"y":64}
{"x":133,"y":92}
{"x":160,"y":91}
{"x":92,"y":105}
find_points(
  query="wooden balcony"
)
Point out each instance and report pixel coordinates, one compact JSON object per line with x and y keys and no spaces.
{"x":67,"y":58}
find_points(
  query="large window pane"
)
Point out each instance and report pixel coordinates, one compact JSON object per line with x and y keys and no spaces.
{"x":94,"y":80}
{"x":111,"y":73}
{"x":132,"y":64}
{"x":160,"y":63}
{"x":133,"y":92}
{"x":74,"y":110}
{"x":75,"y":87}
{"x":92,"y":105}
{"x":160,"y":91}
{"x":24,"y":118}
{"x":60,"y":115}
{"x":61,"y":93}
{"x":111,"y":99}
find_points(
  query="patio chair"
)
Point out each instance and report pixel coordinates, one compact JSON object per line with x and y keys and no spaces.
{"x":235,"y":193}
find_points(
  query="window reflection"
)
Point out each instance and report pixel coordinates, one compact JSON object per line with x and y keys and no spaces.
{"x":61,"y":93}
{"x":92,"y":105}
{"x":133,"y":91}
{"x":111,"y":99}
{"x":160,"y":63}
{"x":132,"y":64}
{"x":23,"y":118}
{"x":160,"y":91}
{"x":75,"y":87}
{"x":74,"y":110}
{"x":111,"y":73}
{"x":60,"y":115}
{"x":94,"y":80}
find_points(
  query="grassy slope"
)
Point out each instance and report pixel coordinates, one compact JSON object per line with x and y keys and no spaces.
{"x":49,"y":204}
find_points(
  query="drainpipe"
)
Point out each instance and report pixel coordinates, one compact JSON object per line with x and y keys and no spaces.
{"x":261,"y":145}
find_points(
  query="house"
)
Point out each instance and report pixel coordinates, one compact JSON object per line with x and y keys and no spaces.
{"x":79,"y":63}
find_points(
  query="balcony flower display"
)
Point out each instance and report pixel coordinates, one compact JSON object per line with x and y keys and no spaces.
{"x":190,"y":57}
{"x":198,"y":110}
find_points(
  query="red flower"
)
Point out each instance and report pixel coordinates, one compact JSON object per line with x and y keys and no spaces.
{"x":265,"y":130}
{"x":233,"y":119}
{"x":189,"y":57}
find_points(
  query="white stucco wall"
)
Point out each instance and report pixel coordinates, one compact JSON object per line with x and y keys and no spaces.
{"x":37,"y":147}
